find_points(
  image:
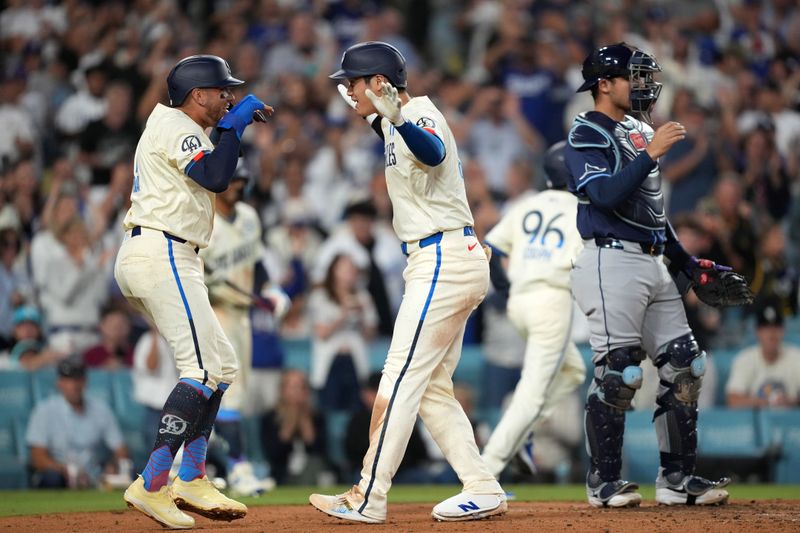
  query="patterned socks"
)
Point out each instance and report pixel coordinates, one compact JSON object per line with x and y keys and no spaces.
{"x":193,"y":463}
{"x":182,"y":411}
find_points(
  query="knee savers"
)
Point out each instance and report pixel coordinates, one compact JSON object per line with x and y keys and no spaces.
{"x":681,"y":366}
{"x":621,"y":376}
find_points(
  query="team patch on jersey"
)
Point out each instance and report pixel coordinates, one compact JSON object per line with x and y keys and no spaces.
{"x":190,"y":143}
{"x":637,"y":139}
{"x":426,"y":123}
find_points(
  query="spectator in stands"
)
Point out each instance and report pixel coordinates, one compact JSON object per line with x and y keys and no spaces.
{"x":74,"y":288}
{"x":499,"y":136}
{"x":18,"y":137}
{"x":413,"y":469}
{"x":343,"y":320}
{"x":87,"y":104}
{"x":28,"y":349}
{"x":15,"y":286}
{"x":110,"y":139}
{"x":375,"y":250}
{"x":727,"y":218}
{"x":775,"y":278}
{"x":114,"y":350}
{"x":766,"y":375}
{"x":71,"y":435}
{"x":293,"y":435}
{"x":690,"y":166}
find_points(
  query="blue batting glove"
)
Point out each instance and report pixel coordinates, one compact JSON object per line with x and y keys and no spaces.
{"x":241,"y":115}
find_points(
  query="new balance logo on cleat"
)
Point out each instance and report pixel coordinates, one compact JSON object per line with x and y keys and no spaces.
{"x":467,"y":506}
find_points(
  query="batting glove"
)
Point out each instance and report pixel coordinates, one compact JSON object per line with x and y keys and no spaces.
{"x":280,"y":300}
{"x":241,"y":115}
{"x":387,"y":103}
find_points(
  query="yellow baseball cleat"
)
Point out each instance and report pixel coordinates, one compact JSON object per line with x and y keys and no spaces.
{"x":202,"y":497}
{"x":157,"y":505}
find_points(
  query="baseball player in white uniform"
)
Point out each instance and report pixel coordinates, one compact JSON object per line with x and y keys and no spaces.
{"x":539,"y":237}
{"x":177,"y":171}
{"x":447,"y":276}
{"x":232,"y":259}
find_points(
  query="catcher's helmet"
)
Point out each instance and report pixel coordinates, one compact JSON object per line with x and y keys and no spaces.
{"x":198,"y":71}
{"x":555,"y":167}
{"x":625,"y":61}
{"x":370,"y":58}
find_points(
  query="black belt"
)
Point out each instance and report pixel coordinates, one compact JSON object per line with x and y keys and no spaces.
{"x":137,"y":230}
{"x":647,"y":247}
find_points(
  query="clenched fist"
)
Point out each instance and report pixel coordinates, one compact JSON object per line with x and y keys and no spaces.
{"x":667,"y":135}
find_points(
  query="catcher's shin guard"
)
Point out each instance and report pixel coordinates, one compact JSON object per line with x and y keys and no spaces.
{"x":681,"y":366}
{"x":617,"y":376}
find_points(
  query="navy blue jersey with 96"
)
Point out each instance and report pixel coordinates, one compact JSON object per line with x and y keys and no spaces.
{"x":600,"y":148}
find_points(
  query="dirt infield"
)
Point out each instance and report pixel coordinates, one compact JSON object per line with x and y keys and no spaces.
{"x":765,"y":515}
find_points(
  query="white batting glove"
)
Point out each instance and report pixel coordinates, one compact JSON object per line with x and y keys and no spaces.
{"x":280,"y":300}
{"x":349,"y":101}
{"x":388,"y":103}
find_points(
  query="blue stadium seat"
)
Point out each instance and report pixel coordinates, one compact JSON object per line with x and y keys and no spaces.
{"x":783,"y":427}
{"x":336,"y":427}
{"x":640,"y":458}
{"x":723,"y":361}
{"x":251,"y":426}
{"x":731,"y":433}
{"x":16,"y":396}
{"x":129,"y":413}
{"x":44,"y":384}
{"x":98,"y":385}
{"x":298,"y":354}
{"x":13,"y":454}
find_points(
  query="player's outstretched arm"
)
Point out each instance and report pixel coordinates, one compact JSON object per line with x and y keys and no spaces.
{"x":426,"y":147}
{"x":214,"y":169}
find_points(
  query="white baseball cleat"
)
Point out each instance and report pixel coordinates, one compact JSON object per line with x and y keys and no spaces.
{"x":691,"y":490}
{"x":243,"y":481}
{"x":617,"y":494}
{"x":468,"y":506}
{"x":343,"y":506}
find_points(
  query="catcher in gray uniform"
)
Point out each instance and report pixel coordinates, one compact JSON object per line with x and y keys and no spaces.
{"x":628,"y":278}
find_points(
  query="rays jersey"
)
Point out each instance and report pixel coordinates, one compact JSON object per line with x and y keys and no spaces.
{"x":426,"y":200}
{"x":163,"y":196}
{"x":599,"y":148}
{"x":539,"y":237}
{"x":233,"y":250}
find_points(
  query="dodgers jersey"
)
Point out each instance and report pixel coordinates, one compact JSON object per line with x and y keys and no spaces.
{"x":232,"y":252}
{"x":539,"y":236}
{"x":163,"y":196}
{"x":426,"y":200}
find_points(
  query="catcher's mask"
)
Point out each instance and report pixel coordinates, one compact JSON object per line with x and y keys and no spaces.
{"x":624,"y":60}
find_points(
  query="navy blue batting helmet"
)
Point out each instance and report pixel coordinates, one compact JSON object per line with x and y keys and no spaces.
{"x":622,"y":60}
{"x":198,"y":71}
{"x":555,"y":166}
{"x":370,"y":58}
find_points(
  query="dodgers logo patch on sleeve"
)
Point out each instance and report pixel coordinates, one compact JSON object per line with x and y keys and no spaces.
{"x":426,"y":122}
{"x":190,"y":143}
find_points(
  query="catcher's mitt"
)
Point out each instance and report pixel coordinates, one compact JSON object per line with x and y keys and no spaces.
{"x":718,"y":285}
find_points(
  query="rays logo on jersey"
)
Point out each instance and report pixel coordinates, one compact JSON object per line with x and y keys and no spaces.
{"x":426,"y":123}
{"x":545,"y":236}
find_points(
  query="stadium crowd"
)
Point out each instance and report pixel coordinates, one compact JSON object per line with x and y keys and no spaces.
{"x":77,"y":79}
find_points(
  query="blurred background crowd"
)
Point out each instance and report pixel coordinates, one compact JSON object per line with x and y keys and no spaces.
{"x":78,"y":79}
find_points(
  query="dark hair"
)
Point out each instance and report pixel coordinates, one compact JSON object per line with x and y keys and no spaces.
{"x":329,"y":282}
